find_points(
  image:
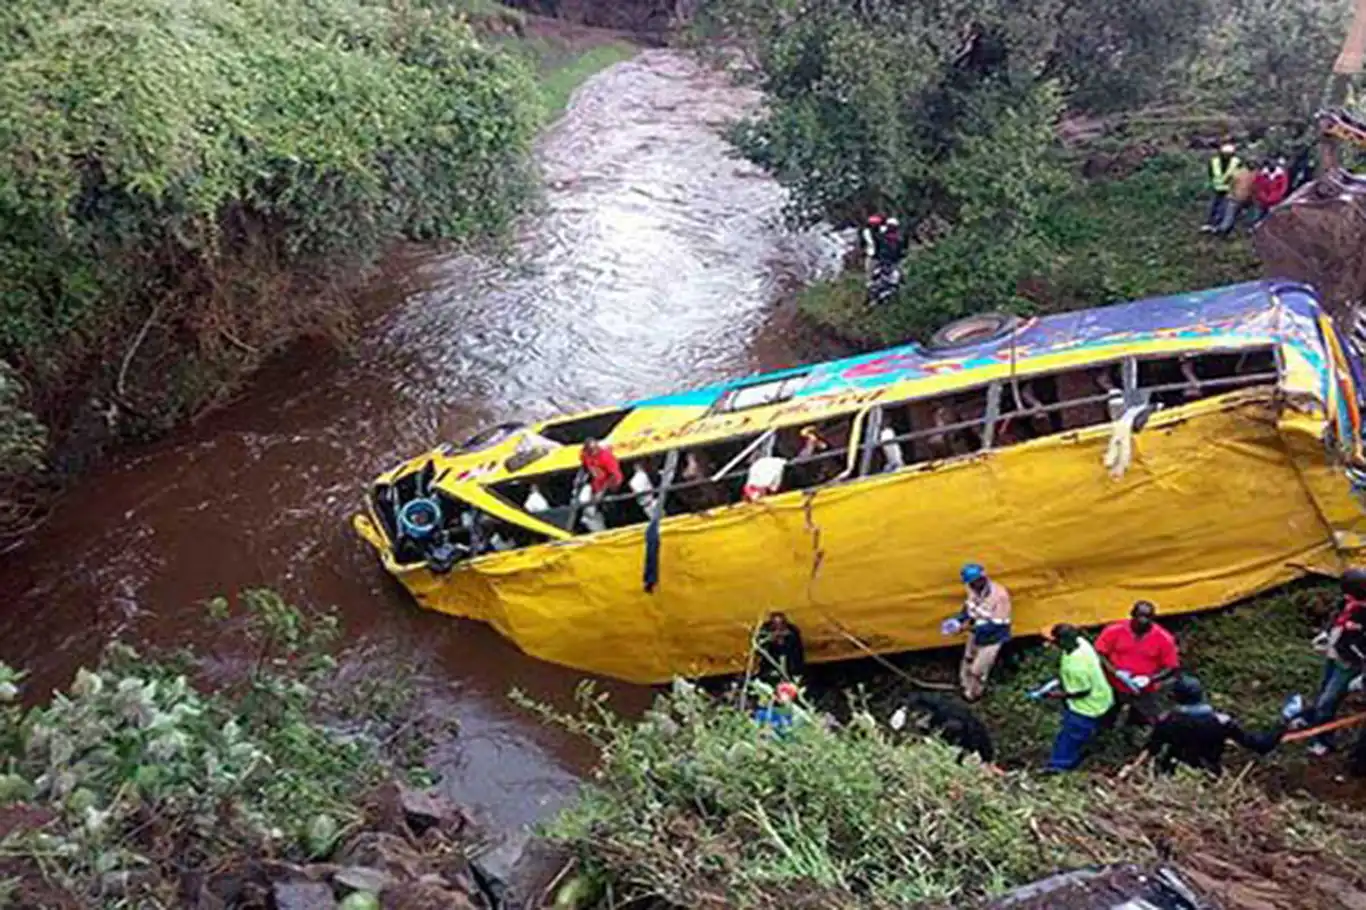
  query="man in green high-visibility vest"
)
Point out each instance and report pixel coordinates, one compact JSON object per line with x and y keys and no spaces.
{"x":1222,"y":167}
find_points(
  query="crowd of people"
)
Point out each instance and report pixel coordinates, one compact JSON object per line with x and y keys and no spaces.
{"x":1237,"y":188}
{"x":1131,"y":675}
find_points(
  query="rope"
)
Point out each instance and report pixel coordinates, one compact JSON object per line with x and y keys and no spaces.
{"x":1308,"y":732}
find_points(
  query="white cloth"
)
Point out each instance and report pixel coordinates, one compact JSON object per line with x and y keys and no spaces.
{"x":536,"y":501}
{"x":640,"y":485}
{"x":891,"y":451}
{"x":766,"y":474}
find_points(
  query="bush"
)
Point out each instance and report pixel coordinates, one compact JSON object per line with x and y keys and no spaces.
{"x":187,"y":181}
{"x":694,"y":802}
{"x":134,"y":778}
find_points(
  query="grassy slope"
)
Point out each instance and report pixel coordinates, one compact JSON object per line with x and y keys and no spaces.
{"x":563,"y":69}
{"x":1116,"y":240}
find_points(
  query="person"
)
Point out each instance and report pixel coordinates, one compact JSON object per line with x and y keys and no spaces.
{"x":1302,"y":166}
{"x":779,"y":648}
{"x":1084,"y":691}
{"x":1269,"y":187}
{"x":1138,"y":656}
{"x":1239,"y":199}
{"x":778,"y":715}
{"x":1343,"y":645}
{"x":883,"y":249}
{"x":986,"y":612}
{"x":604,"y":472}
{"x":1221,"y":170}
{"x":1193,"y":733}
{"x":953,"y":723}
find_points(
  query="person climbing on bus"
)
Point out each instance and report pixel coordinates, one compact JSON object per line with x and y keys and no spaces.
{"x":1084,"y":691}
{"x":1222,"y":166}
{"x":604,"y":472}
{"x":1192,"y":733}
{"x":778,"y":650}
{"x":986,"y":614}
{"x":1138,"y":656}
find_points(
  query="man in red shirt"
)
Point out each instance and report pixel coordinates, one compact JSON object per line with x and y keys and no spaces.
{"x":604,"y":473}
{"x":1138,"y":656}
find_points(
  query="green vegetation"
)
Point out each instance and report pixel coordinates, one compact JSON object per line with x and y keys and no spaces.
{"x":133,"y":778}
{"x":564,"y":67}
{"x":1107,"y":240}
{"x":945,"y":114}
{"x":694,"y":803}
{"x":187,"y":187}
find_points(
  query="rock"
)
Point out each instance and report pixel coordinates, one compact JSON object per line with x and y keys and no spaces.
{"x":423,"y":811}
{"x":303,"y":896}
{"x":423,"y":895}
{"x":363,"y":878}
{"x":387,"y":852}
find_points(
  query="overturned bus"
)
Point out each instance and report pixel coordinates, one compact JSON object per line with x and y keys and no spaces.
{"x":1191,"y":450}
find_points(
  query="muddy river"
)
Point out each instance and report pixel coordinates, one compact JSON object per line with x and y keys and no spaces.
{"x":658,"y":262}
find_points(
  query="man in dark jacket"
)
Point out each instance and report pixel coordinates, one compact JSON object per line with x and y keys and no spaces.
{"x":1194,"y":734}
{"x":781,"y":655}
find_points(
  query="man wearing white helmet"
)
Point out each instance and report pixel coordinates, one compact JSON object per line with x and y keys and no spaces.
{"x":1222,"y":168}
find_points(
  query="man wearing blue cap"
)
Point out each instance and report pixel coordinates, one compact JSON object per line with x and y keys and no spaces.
{"x":986,"y":613}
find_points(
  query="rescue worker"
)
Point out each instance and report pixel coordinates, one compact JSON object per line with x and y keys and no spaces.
{"x":1138,"y":656}
{"x":778,"y":715}
{"x":1268,"y":189}
{"x":1193,"y":733}
{"x":1239,"y":199}
{"x":1084,"y":691}
{"x":781,"y":655}
{"x":883,"y":248}
{"x":1343,"y":645}
{"x":986,"y":614}
{"x":1221,"y":170}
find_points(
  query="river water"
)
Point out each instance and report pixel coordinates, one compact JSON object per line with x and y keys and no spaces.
{"x":658,"y":262}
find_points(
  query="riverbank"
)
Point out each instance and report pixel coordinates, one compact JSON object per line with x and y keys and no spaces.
{"x":287,"y":781}
{"x":1111,"y":238}
{"x":694,"y":806}
{"x":112,"y":359}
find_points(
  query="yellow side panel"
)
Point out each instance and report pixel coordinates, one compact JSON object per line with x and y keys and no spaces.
{"x":1212,"y":509}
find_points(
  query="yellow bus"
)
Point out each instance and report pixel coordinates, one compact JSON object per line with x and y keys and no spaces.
{"x":1190,"y":450}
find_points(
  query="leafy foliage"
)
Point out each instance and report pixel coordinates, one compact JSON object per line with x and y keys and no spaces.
{"x":696,"y":801}
{"x":1268,"y":58}
{"x":210,"y":169}
{"x":1100,"y":242}
{"x":136,"y":775}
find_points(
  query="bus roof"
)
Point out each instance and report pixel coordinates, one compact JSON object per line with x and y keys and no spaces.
{"x":1237,"y":316}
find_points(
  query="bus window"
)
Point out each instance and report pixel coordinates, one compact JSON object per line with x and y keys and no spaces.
{"x":1181,"y":379}
{"x":816,"y":453}
{"x":929,"y":429}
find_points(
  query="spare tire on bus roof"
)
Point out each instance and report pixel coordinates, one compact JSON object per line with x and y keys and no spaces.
{"x":971,"y":331}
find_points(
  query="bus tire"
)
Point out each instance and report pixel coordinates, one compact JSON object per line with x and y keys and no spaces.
{"x":971,"y":331}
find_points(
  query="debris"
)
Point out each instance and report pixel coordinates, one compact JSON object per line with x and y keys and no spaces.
{"x":303,"y":896}
{"x":363,"y":878}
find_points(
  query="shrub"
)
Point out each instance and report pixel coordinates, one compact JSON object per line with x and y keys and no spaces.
{"x":694,"y":805}
{"x":134,"y":777}
{"x":210,"y":170}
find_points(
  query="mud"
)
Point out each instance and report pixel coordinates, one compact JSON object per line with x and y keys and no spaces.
{"x":657,"y":263}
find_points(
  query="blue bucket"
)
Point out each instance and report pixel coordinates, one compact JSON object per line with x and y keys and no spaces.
{"x":419,"y":518}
